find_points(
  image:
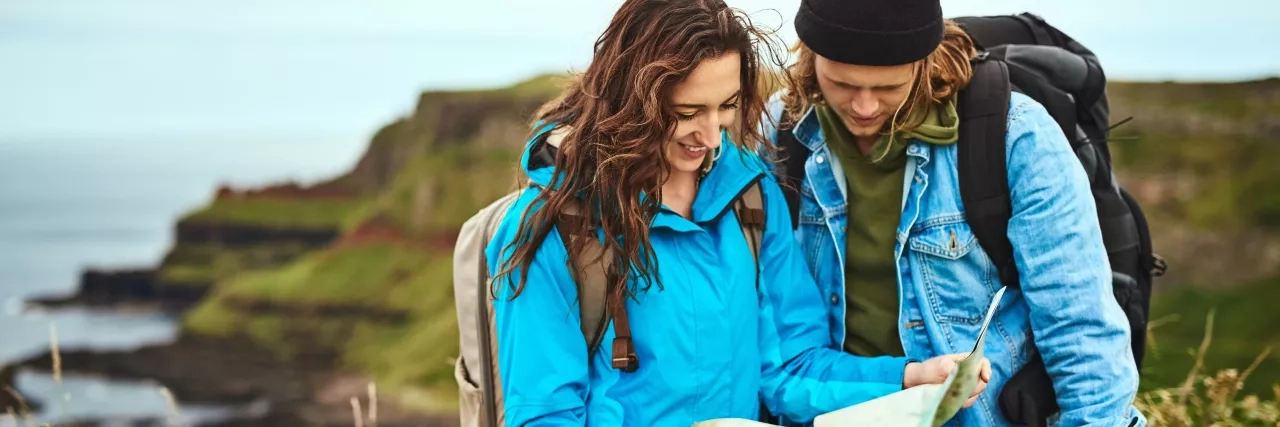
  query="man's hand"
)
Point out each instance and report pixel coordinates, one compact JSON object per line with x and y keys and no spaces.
{"x":935,"y":371}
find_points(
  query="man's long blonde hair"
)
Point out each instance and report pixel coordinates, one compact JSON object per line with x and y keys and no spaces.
{"x":948,"y":68}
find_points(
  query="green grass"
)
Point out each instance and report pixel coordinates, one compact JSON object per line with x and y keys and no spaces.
{"x":204,"y":265}
{"x":290,"y":213}
{"x":417,"y":356}
{"x":1249,"y":100}
{"x":381,"y":275}
{"x":187,"y":275}
{"x":1246,"y":322}
{"x":543,"y":86}
{"x":410,"y":356}
{"x":1233,"y":189}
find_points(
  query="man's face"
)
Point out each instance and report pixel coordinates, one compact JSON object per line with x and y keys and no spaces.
{"x":865,"y":97}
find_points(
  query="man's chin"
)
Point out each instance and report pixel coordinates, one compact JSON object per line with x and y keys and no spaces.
{"x":864,"y":132}
{"x":867,"y":133}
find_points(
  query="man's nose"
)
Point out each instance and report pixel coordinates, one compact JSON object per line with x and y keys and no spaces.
{"x":864,"y":105}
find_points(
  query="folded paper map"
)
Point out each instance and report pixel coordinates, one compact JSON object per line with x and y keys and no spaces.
{"x":928,"y":405}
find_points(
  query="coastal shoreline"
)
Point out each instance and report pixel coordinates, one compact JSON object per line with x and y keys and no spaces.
{"x":258,"y":388}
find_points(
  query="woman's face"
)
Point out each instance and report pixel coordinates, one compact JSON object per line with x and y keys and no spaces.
{"x":706,"y":103}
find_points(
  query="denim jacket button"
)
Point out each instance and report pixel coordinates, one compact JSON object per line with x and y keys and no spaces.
{"x":819,"y":159}
{"x":835,"y":299}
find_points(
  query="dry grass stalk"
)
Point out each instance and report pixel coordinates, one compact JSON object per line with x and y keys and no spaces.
{"x":57,"y":356}
{"x":1188,"y":386}
{"x":24,"y":409}
{"x":1217,"y":404}
{"x":373,"y":404}
{"x":1256,"y":361}
{"x":175,"y":417}
{"x":355,"y":411}
{"x":15,"y":418}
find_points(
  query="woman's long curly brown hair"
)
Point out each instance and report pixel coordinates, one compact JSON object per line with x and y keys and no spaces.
{"x":617,"y":120}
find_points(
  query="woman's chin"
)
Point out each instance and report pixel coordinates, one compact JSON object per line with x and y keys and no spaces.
{"x":685,"y":167}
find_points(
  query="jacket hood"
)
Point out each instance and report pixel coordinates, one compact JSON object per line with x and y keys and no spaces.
{"x":538,"y":160}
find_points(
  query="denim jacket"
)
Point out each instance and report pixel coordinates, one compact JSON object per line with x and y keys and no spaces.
{"x":1065,"y":309}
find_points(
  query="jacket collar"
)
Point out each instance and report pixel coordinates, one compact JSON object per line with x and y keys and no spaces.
{"x":730,"y":175}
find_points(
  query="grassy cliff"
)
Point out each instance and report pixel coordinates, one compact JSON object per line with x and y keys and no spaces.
{"x":377,"y":293}
{"x":379,"y":297}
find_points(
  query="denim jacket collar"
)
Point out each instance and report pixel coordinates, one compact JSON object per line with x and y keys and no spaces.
{"x":809,"y":132}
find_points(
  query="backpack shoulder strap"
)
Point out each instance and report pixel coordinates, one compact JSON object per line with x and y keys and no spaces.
{"x":589,"y":273}
{"x":751,"y":217}
{"x":984,"y":182}
{"x":596,"y":301}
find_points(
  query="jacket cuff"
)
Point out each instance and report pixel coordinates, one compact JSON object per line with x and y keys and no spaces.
{"x":888,"y":370}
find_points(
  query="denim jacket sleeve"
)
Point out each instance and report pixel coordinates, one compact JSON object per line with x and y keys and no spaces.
{"x":803,"y":376}
{"x":542,"y":358}
{"x":1065,"y":277}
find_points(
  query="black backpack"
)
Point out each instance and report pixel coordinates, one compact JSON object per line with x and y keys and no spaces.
{"x":1023,"y":53}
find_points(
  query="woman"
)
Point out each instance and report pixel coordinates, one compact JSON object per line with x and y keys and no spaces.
{"x":641,"y":138}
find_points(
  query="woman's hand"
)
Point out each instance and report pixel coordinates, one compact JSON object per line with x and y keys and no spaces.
{"x":935,"y":371}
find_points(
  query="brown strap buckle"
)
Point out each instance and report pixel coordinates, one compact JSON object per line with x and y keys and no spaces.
{"x":624,"y":355}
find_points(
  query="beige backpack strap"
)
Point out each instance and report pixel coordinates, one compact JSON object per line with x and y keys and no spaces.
{"x":751,"y":217}
{"x":591,"y":277}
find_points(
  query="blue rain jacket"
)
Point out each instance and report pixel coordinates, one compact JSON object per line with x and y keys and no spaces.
{"x":710,"y":345}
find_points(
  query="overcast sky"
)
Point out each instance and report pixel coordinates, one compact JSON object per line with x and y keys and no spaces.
{"x":149,"y":68}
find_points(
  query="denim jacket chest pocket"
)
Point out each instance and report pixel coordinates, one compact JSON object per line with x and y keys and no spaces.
{"x":957,"y":276}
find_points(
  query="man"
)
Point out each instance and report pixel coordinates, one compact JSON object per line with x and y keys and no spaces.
{"x":873,"y":99}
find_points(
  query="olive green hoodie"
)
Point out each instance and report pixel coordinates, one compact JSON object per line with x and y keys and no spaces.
{"x":875,"y":200}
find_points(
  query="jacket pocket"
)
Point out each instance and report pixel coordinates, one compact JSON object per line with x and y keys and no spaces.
{"x":956,"y":274}
{"x":470,"y":398}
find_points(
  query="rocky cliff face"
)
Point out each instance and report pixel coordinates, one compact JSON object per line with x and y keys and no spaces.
{"x":483,"y":119}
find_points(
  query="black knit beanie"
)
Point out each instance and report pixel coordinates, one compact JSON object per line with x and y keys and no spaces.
{"x":870,"y":32}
